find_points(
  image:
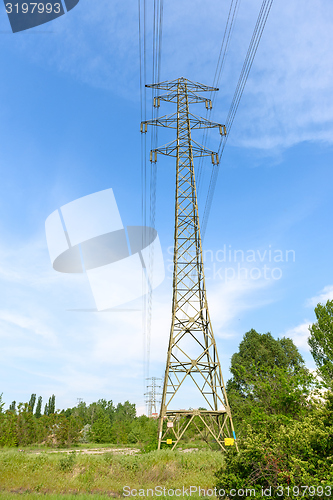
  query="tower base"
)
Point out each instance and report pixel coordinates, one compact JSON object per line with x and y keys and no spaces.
{"x":211,"y":425}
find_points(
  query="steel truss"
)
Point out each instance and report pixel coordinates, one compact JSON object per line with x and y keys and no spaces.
{"x":192,"y":353}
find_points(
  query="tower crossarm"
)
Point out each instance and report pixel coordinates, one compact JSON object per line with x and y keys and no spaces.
{"x":196,"y":122}
{"x":173,"y":147}
{"x":173,"y":85}
{"x":193,"y":98}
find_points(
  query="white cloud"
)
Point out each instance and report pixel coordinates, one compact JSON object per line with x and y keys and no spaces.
{"x":228,"y":300}
{"x":299,"y":334}
{"x":325,"y":295}
{"x":288,"y":97}
{"x":28,"y":323}
{"x":289,"y":94}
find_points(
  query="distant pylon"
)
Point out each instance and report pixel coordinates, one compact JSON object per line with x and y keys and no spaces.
{"x":192,"y":353}
{"x":152,"y":397}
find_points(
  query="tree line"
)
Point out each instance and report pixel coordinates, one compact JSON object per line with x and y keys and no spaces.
{"x":100,"y":422}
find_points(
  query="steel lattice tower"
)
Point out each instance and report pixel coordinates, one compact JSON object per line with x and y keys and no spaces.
{"x":192,"y":353}
{"x":152,"y":396}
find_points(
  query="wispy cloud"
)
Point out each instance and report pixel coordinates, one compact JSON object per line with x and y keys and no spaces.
{"x":230,"y":300}
{"x":299,"y":334}
{"x":29,"y":324}
{"x":325,"y":295}
{"x":287,"y":100}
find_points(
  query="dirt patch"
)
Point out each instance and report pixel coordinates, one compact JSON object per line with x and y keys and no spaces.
{"x":95,"y":451}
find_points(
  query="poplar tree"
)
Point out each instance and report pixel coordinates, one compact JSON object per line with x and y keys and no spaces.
{"x":2,"y":404}
{"x":51,"y":405}
{"x":12,"y":407}
{"x":38,"y":413}
{"x":32,"y":402}
{"x":321,"y":341}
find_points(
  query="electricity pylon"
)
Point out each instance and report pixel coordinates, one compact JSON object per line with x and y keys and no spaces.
{"x":192,"y":353}
{"x":152,"y":396}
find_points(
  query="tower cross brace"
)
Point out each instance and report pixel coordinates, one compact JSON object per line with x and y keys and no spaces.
{"x":192,"y":353}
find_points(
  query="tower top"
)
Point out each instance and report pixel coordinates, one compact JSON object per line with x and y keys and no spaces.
{"x":173,"y":84}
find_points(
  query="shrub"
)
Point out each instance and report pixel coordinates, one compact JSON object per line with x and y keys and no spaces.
{"x":67,"y":462}
{"x":289,"y":454}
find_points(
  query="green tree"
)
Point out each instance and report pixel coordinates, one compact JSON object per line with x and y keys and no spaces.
{"x":126,"y":411}
{"x":144,"y":432}
{"x":81,"y":411}
{"x":94,"y":412}
{"x":43,"y":428}
{"x":26,"y":427}
{"x":2,"y":404}
{"x":66,"y":430}
{"x":32,"y":402}
{"x":269,"y":381}
{"x":100,"y":431}
{"x":257,"y":352}
{"x":108,"y":408}
{"x":12,"y":407}
{"x":321,"y":341}
{"x":38,"y":412}
{"x":51,"y":405}
{"x":124,"y":417}
{"x":8,"y":429}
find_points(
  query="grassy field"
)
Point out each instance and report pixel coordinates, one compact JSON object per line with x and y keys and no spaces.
{"x":72,"y":475}
{"x":40,"y":496}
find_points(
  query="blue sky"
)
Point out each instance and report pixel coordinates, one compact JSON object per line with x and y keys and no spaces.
{"x":69,"y":122}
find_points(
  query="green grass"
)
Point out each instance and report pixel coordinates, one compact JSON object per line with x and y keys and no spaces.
{"x":44,"y":475}
{"x":39,"y":496}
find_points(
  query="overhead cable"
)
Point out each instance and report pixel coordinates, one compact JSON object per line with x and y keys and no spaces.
{"x":232,"y":15}
{"x":252,"y":50}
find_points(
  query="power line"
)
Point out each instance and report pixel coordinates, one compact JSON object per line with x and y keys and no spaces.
{"x":251,"y":53}
{"x":232,"y":15}
{"x":148,"y":175}
{"x":143,"y":109}
{"x":156,"y":69}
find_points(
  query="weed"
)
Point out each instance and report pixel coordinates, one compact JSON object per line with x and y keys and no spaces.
{"x":67,"y":462}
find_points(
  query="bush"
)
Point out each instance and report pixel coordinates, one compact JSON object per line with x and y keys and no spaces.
{"x":67,"y":462}
{"x":286,"y":454}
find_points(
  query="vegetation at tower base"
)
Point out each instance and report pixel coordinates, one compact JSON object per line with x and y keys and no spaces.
{"x":285,"y":453}
{"x":321,"y":341}
{"x":283,"y":420}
